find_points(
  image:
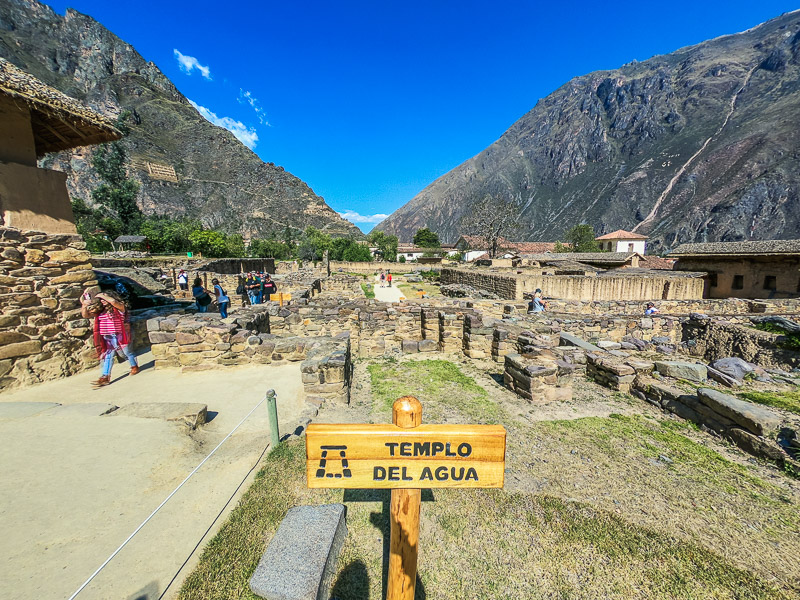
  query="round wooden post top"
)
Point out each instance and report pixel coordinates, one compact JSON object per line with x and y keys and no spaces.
{"x":407,"y":412}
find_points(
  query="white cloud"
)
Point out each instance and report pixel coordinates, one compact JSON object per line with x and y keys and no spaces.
{"x":247,"y":97}
{"x":355,"y":217}
{"x":189,"y":63}
{"x":246,"y":135}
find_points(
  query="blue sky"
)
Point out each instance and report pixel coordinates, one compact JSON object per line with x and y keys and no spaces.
{"x":369,"y":102}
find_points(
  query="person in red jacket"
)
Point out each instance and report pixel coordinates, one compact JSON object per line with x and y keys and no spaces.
{"x":112,"y":331}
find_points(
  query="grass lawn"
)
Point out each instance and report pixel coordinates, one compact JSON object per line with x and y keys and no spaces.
{"x":411,"y":290}
{"x":597,"y":507}
{"x":368,"y":291}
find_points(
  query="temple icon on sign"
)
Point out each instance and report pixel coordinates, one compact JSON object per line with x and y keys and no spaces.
{"x":341,"y":459}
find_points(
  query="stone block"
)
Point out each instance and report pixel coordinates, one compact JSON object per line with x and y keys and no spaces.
{"x":70,"y":255}
{"x":300,"y":561}
{"x":20,"y":349}
{"x":161,"y":337}
{"x":753,"y":417}
{"x":681,"y":370}
{"x":12,"y":337}
{"x":428,"y":346}
{"x":73,"y":277}
{"x":757,"y":446}
{"x":187,"y":338}
{"x":410,"y":346}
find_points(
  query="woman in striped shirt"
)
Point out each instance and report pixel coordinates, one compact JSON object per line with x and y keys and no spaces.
{"x":112,"y":331}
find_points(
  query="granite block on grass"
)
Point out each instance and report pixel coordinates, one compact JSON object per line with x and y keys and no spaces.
{"x":300,"y":561}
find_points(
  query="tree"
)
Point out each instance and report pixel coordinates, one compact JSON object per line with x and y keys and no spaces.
{"x":314,"y":244}
{"x":166,"y":235}
{"x":386,"y":244}
{"x":559,"y":248}
{"x":581,"y":239}
{"x":117,"y":192}
{"x":95,"y":228}
{"x":349,"y":250}
{"x":211,"y":243}
{"x":425,"y":238}
{"x":490,"y":220}
{"x":270,"y":248}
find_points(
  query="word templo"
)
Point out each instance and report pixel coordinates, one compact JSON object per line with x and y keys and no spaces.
{"x":386,"y":456}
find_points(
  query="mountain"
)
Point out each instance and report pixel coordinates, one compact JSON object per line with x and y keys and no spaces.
{"x":185,"y":165}
{"x":698,"y":145}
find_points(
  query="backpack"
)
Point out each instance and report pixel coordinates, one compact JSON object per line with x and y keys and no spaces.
{"x":240,"y":289}
{"x":204,"y":299}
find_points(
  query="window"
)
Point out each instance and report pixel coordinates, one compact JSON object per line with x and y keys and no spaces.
{"x":630,"y":247}
{"x":770,"y":282}
{"x":738,"y":282}
{"x":712,"y":279}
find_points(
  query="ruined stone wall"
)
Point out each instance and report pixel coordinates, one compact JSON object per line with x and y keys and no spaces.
{"x":650,"y":286}
{"x":512,"y":285}
{"x":713,"y":339}
{"x":505,"y":286}
{"x":199,"y":342}
{"x":42,"y":333}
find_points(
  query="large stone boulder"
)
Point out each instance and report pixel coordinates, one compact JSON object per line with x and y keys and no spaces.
{"x":681,"y":370}
{"x":753,"y":417}
{"x":734,"y":367}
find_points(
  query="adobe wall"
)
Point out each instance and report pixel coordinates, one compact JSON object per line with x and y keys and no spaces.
{"x":42,"y":333}
{"x":513,"y":285}
{"x":375,"y":267}
{"x":753,"y":270}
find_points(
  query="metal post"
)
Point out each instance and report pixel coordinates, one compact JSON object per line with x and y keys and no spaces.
{"x":272,"y":407}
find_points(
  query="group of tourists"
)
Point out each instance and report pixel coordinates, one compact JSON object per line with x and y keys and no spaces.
{"x":385,"y":277}
{"x":537,"y":304}
{"x":257,"y":288}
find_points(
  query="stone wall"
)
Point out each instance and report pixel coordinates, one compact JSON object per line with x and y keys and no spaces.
{"x":199,"y":342}
{"x":713,"y":339}
{"x":536,"y":382}
{"x":373,"y":268}
{"x":42,"y":333}
{"x":752,"y":427}
{"x":503,"y":285}
{"x":515,"y":284}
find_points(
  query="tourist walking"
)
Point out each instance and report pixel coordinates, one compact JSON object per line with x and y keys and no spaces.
{"x":183,"y":280}
{"x":223,"y":301}
{"x":112,"y":332}
{"x":201,"y":296}
{"x":389,"y":277}
{"x":268,"y":288}
{"x":383,"y":278}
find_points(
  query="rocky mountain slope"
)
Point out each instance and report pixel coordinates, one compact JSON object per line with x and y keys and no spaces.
{"x":216,"y":178}
{"x":698,"y":145}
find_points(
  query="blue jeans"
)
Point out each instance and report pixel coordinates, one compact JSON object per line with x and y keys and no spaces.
{"x":255,"y":296}
{"x":112,"y":343}
{"x":201,"y":308}
{"x":223,"y":309}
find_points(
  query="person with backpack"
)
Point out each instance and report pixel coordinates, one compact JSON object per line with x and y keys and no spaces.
{"x":112,"y":331}
{"x":183,"y":280}
{"x":223,"y":301}
{"x":253,"y":287}
{"x":201,"y":296}
{"x":383,"y":278}
{"x":389,"y":277}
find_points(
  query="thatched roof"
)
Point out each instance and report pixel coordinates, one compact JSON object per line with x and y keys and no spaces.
{"x":59,"y":122}
{"x":751,"y":248}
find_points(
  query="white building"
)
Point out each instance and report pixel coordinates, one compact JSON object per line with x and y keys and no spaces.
{"x":622,"y":241}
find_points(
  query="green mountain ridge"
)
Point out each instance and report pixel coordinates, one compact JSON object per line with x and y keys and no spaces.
{"x":696,"y":145}
{"x":219,"y":180}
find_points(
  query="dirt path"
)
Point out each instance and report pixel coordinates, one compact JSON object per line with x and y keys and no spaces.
{"x":386,"y":294}
{"x":75,"y":484}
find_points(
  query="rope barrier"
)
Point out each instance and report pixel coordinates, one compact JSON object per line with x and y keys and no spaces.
{"x":130,"y":537}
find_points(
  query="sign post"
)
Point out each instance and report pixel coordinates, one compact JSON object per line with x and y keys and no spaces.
{"x":405,"y":457}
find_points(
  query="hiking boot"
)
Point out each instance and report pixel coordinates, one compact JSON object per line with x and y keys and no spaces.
{"x":134,"y":370}
{"x":104,"y":380}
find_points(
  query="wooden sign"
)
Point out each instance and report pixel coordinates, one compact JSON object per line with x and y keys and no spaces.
{"x":405,"y":457}
{"x":387,"y":456}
